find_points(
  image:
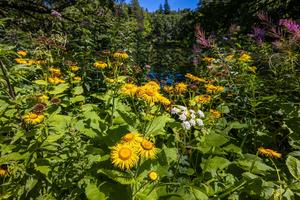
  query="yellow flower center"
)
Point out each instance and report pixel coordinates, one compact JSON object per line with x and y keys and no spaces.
{"x":125,"y":153}
{"x":33,"y":116}
{"x":128,"y":137}
{"x":147,"y":145}
{"x":153,"y":176}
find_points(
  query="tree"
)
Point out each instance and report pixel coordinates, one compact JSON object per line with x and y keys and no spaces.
{"x":160,"y":9}
{"x":167,"y":8}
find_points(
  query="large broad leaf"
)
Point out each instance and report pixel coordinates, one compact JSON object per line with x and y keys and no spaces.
{"x":118,"y":176}
{"x":156,"y":126}
{"x":235,"y":125}
{"x":59,"y":89}
{"x":215,"y":140}
{"x":293,"y":165}
{"x":215,"y":163}
{"x":30,"y":183}
{"x":59,"y":122}
{"x":171,"y":154}
{"x":77,"y":90}
{"x":43,"y":169}
{"x":254,"y":164}
{"x":93,"y":193}
{"x":198,"y":194}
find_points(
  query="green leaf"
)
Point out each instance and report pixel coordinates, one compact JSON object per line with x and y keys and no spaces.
{"x":30,"y":183}
{"x":235,"y":125}
{"x":53,"y":137}
{"x":43,"y":169}
{"x":40,"y":82}
{"x":59,"y":89}
{"x":77,"y":90}
{"x":171,"y":154}
{"x":118,"y":176}
{"x":293,"y":165}
{"x":199,"y":195}
{"x":215,"y":140}
{"x":156,"y":126}
{"x":93,"y":193}
{"x":77,"y":99}
{"x":59,"y":122}
{"x":232,"y":148}
{"x":213,"y":164}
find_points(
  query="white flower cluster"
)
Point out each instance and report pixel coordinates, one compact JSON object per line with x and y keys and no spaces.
{"x":188,"y":117}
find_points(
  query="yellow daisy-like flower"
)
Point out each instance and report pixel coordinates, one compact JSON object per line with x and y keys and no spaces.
{"x":100,"y":65}
{"x":148,"y":94}
{"x":55,"y":80}
{"x":245,"y":57}
{"x":153,"y":85}
{"x":129,"y":89}
{"x":21,"y":61}
{"x":153,"y":176}
{"x":22,"y":52}
{"x":215,"y":114}
{"x":229,"y":58}
{"x":163,"y":100}
{"x":74,"y":68}
{"x":132,"y":139}
{"x":77,"y":78}
{"x":124,"y":156}
{"x":195,"y":78}
{"x":212,"y":88}
{"x":54,"y":71}
{"x":33,"y":118}
{"x":252,"y":69}
{"x":208,"y":59}
{"x":121,"y":55}
{"x":180,"y":87}
{"x":169,"y":89}
{"x":147,"y":149}
{"x":203,"y":99}
{"x":3,"y":172}
{"x":42,"y":98}
{"x":269,"y":152}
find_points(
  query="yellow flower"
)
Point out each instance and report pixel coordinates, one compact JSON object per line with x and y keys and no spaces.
{"x":147,"y":149}
{"x":131,"y":139}
{"x":33,"y":118}
{"x":100,"y":65}
{"x":54,"y":71}
{"x":180,"y":87}
{"x":153,"y":85}
{"x":77,"y":78}
{"x":163,"y":100}
{"x":124,"y":156}
{"x":74,"y":68}
{"x":245,"y":57}
{"x":121,"y":55}
{"x":21,"y":61}
{"x":208,"y":59}
{"x":3,"y":172}
{"x":252,"y":69}
{"x":212,"y":88}
{"x":153,"y":176}
{"x":42,"y":98}
{"x":229,"y":58}
{"x":22,"y":52}
{"x":55,"y":80}
{"x":168,"y":89}
{"x":129,"y":89}
{"x":203,"y":99}
{"x":215,"y":114}
{"x":148,"y":94}
{"x":269,"y":152}
{"x":195,"y":78}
